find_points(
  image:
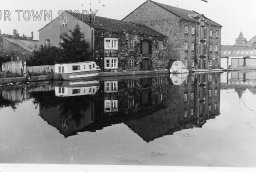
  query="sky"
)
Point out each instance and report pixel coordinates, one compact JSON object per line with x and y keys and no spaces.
{"x":234,"y":15}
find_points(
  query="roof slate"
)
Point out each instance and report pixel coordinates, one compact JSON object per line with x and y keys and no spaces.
{"x":114,"y":25}
{"x":28,"y":45}
{"x":183,"y":13}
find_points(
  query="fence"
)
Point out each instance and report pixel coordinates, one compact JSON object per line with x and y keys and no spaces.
{"x":239,"y":62}
{"x":18,"y":67}
{"x":251,"y":62}
{"x":14,"y":67}
{"x":40,"y":69}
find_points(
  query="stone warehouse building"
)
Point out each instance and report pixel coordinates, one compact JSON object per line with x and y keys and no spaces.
{"x":193,"y":38}
{"x":16,"y":46}
{"x":116,"y":45}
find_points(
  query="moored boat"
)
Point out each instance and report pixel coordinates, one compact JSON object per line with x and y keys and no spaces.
{"x":74,"y":71}
{"x":80,"y":88}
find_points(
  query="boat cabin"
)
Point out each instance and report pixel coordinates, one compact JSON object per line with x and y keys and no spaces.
{"x":75,"y":91}
{"x":76,"y":67}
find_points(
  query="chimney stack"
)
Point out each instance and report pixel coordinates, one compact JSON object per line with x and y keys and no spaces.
{"x":14,"y":33}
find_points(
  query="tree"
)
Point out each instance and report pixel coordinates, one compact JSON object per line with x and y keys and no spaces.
{"x":4,"y":58}
{"x":75,"y":48}
{"x":46,"y":56}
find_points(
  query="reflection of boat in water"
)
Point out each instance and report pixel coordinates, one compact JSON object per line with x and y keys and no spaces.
{"x":178,"y":68}
{"x":73,"y":71}
{"x":178,"y":79}
{"x":78,"y":88}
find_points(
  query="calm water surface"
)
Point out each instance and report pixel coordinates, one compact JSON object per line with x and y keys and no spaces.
{"x":197,"y":120}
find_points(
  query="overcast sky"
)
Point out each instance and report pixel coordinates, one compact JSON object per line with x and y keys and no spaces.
{"x":234,"y":15}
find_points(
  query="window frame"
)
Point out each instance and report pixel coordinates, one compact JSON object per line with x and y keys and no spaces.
{"x":47,"y":42}
{"x":113,"y":63}
{"x":78,"y":68}
{"x":113,"y":43}
{"x":193,"y":30}
{"x":186,"y":29}
{"x":211,"y":33}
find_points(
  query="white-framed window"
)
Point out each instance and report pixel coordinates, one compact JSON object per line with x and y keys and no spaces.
{"x":186,"y":46}
{"x":131,"y":62}
{"x":186,"y":114}
{"x":111,"y":86}
{"x":216,"y":92}
{"x":64,"y":22}
{"x":210,"y":47}
{"x":61,"y":90}
{"x":192,"y":112}
{"x":211,"y":33}
{"x":217,"y":34}
{"x":132,"y":43}
{"x":192,"y":47}
{"x":130,"y":84}
{"x":185,"y":97}
{"x":111,"y":63}
{"x":192,"y":63}
{"x":160,"y":45}
{"x":111,"y":105}
{"x":193,"y":30}
{"x":216,"y":48}
{"x":210,"y":107}
{"x":215,"y":106}
{"x":192,"y":80}
{"x":111,"y":44}
{"x":48,"y":42}
{"x":192,"y":96}
{"x":210,"y":93}
{"x":209,"y":78}
{"x":186,"y":29}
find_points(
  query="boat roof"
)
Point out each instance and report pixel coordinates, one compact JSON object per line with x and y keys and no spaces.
{"x":86,"y":62}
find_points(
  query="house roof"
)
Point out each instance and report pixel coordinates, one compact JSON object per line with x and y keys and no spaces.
{"x":114,"y":25}
{"x":183,"y":13}
{"x":237,"y":51}
{"x":28,"y":45}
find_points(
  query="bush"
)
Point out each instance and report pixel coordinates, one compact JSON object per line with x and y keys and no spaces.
{"x":46,"y":56}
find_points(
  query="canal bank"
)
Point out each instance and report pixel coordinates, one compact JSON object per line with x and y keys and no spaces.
{"x":14,"y":80}
{"x":102,"y":75}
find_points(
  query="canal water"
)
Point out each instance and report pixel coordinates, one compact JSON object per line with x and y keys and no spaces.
{"x":177,"y":120}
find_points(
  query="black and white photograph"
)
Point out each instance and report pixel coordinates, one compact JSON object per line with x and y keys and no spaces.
{"x":113,"y":85}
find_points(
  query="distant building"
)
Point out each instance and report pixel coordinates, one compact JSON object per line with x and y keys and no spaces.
{"x":193,"y":38}
{"x":242,"y":54}
{"x":16,"y":46}
{"x":241,"y":41}
{"x":252,"y":42}
{"x":116,"y":45}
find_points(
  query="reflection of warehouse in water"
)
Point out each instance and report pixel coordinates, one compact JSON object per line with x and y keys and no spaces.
{"x":151,"y":107}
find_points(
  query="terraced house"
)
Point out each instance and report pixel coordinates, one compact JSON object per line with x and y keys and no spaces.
{"x":16,"y":46}
{"x":193,"y":38}
{"x":116,"y":45}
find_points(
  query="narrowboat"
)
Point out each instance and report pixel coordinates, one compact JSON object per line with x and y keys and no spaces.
{"x":79,"y":88}
{"x":74,"y":71}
